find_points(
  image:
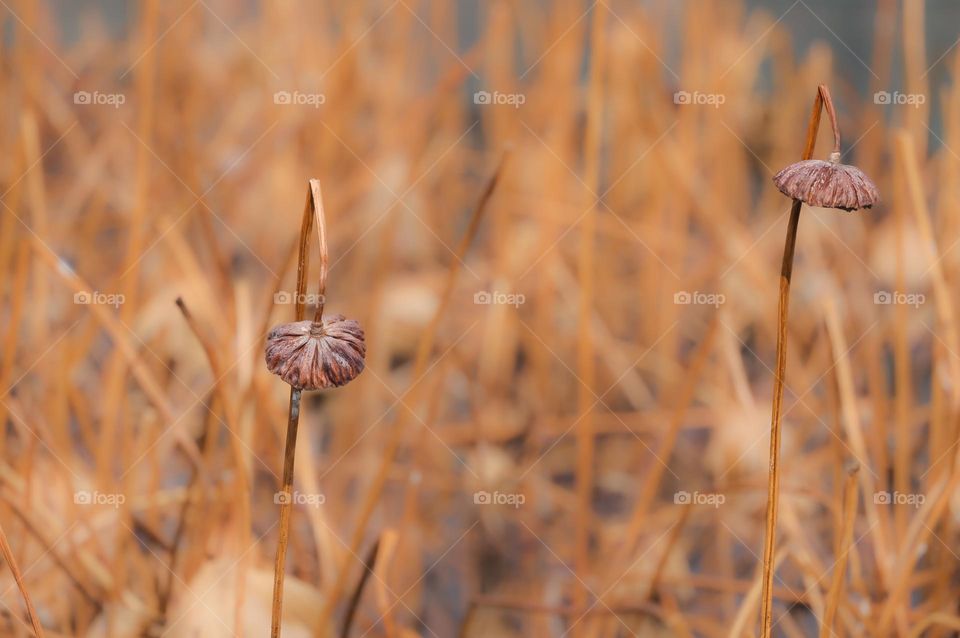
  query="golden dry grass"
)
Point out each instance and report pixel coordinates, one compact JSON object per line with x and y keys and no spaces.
{"x":620,"y":431}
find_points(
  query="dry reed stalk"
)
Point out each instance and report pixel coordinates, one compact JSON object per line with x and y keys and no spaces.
{"x":903,"y":372}
{"x":586,"y":365}
{"x":368,"y":565}
{"x":388,"y":546}
{"x":18,"y":577}
{"x":39,"y":219}
{"x":424,"y":349}
{"x":223,"y":389}
{"x":312,"y":214}
{"x":843,"y":549}
{"x":916,"y":70}
{"x":786,"y":273}
{"x":738,"y":628}
{"x":20,"y":272}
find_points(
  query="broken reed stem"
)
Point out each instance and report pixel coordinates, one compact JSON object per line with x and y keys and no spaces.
{"x":317,"y":198}
{"x":368,"y":564}
{"x":824,"y":94}
{"x":18,"y":577}
{"x":786,"y":273}
{"x":846,"y":538}
{"x":313,"y":210}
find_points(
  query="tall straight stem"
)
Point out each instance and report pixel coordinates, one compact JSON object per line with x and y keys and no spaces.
{"x":783,"y":305}
{"x":286,"y":505}
{"x":773,"y":483}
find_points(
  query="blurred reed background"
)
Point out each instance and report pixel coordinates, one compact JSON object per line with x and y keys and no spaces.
{"x":583,"y":451}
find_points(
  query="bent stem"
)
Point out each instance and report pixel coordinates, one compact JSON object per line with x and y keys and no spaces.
{"x":313,"y":211}
{"x":786,"y":274}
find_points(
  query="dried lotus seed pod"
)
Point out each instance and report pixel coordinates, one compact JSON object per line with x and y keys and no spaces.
{"x":827,"y":184}
{"x":315,"y":355}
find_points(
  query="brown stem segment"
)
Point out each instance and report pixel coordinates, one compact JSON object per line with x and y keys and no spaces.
{"x":286,"y":505}
{"x":312,"y":211}
{"x":786,"y":274}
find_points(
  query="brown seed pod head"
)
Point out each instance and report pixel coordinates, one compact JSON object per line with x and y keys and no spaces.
{"x":828,"y":184}
{"x":314,"y":355}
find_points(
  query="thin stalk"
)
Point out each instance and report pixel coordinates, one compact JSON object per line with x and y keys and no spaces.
{"x":786,"y":274}
{"x":312,"y":211}
{"x":368,"y":564}
{"x":586,"y":364}
{"x":846,"y":539}
{"x":18,"y":577}
{"x":286,"y":506}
